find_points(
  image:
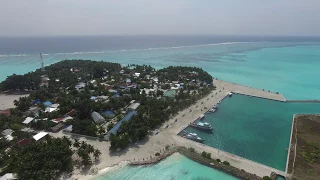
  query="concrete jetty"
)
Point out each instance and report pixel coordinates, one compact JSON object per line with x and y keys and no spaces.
{"x":245,"y":90}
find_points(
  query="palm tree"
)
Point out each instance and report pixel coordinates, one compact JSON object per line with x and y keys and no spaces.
{"x":76,"y":143}
{"x":96,"y":154}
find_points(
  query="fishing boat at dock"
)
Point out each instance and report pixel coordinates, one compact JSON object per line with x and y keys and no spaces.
{"x":202,"y":125}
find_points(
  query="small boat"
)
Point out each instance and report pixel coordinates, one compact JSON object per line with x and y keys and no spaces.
{"x":202,"y":125}
{"x":194,"y":137}
{"x":230,"y":94}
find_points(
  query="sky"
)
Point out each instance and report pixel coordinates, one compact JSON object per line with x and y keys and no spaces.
{"x":160,"y":17}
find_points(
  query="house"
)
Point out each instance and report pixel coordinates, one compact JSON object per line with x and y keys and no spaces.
{"x":80,"y":86}
{"x":122,"y":71}
{"x":34,"y":109}
{"x":68,"y":129}
{"x":57,"y":127}
{"x":136,"y":74}
{"x":128,"y":81}
{"x":28,"y":120}
{"x":7,"y":132}
{"x":39,"y":136}
{"x":93,"y":98}
{"x":134,"y":106}
{"x":47,"y":103}
{"x":97,"y":118}
{"x":175,"y":82}
{"x":70,"y":113}
{"x":102,"y":98}
{"x":51,"y":108}
{"x":155,"y":79}
{"x":5,"y":112}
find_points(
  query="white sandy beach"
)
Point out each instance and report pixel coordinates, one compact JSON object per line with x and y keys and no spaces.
{"x":6,"y":101}
{"x":155,"y":143}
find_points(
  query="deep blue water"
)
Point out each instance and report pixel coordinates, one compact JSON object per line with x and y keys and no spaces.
{"x":71,"y":44}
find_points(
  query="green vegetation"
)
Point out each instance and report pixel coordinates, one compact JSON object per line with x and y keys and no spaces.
{"x":46,"y":160}
{"x":310,"y":152}
{"x":206,"y":155}
{"x":226,"y":163}
{"x":191,"y":149}
{"x":218,"y":160}
{"x":266,"y":178}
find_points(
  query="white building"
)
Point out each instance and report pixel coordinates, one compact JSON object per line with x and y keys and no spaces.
{"x":40,"y":135}
{"x":28,"y":120}
{"x":134,"y":106}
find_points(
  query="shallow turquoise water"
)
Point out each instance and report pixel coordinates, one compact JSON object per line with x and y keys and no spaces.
{"x":254,"y":128}
{"x":175,"y":167}
{"x":289,"y":68}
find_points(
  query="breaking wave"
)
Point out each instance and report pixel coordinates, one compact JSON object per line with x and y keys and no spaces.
{"x":124,"y":50}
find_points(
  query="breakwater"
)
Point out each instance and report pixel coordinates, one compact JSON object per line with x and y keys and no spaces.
{"x":229,"y":169}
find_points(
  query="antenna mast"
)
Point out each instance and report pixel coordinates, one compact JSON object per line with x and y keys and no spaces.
{"x":42,"y":64}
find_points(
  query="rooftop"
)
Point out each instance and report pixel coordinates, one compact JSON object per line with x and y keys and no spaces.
{"x":40,"y":135}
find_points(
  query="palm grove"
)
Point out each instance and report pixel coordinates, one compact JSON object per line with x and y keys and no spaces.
{"x":154,"y":109}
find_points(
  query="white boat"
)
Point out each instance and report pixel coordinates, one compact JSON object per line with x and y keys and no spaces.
{"x":230,"y":94}
{"x":194,"y":136}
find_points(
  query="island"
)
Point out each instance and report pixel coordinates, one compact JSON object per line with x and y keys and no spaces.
{"x":118,"y":106}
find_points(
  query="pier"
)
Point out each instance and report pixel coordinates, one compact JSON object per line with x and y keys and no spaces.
{"x":249,"y":91}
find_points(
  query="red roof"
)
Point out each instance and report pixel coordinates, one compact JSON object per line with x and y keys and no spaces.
{"x":58,"y":119}
{"x":6,"y":112}
{"x":24,"y":142}
{"x":70,"y":112}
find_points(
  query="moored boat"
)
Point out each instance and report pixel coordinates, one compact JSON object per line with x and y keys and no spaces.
{"x":193,"y":136}
{"x":202,"y":125}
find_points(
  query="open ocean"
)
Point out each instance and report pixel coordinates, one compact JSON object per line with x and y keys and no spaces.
{"x":288,"y":65}
{"x":252,"y":128}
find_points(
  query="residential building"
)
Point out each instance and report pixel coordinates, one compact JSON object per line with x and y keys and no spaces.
{"x":97,"y":118}
{"x":40,"y":136}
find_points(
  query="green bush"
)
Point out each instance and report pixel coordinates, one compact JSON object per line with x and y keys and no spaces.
{"x":266,"y":178}
{"x":226,"y":163}
{"x":206,"y":155}
{"x":191,"y":149}
{"x":157,"y":154}
{"x":218,"y":160}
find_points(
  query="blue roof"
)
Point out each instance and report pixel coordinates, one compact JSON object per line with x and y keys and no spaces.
{"x":117,"y":126}
{"x":116,"y":95}
{"x":47,"y":103}
{"x":128,"y":80}
{"x":36,"y":101}
{"x":109,"y":113}
{"x":93,"y":98}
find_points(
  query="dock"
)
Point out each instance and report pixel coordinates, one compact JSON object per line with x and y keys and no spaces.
{"x":249,"y":91}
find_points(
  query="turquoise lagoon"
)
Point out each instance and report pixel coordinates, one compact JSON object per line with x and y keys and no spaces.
{"x":254,"y":128}
{"x":175,"y":167}
{"x":288,"y":68}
